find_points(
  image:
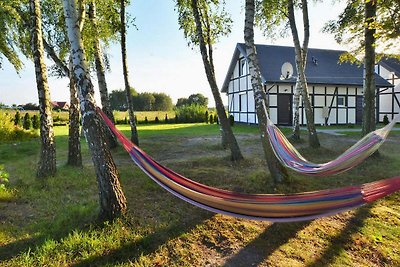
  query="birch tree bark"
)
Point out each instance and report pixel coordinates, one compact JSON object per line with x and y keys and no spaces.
{"x":74,"y":143}
{"x":47,"y":160}
{"x":101,"y":76}
{"x":301,"y":57}
{"x":236,"y":154}
{"x":368,"y":123}
{"x":111,"y":197}
{"x":278,"y":172}
{"x":132,"y":119}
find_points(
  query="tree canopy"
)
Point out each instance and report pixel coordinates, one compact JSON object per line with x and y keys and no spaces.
{"x":349,"y":27}
{"x":142,"y":101}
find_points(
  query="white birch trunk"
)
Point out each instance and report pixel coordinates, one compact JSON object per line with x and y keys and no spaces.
{"x":47,"y":160}
{"x":278,"y":172}
{"x":111,"y":197}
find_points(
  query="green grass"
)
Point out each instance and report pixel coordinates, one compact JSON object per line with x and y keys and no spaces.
{"x":54,"y":222}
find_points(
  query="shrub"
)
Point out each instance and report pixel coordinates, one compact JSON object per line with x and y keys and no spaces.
{"x":166,"y":118}
{"x":211,"y":119}
{"x":27,"y":122}
{"x":6,"y":127}
{"x":125,"y":120}
{"x":146,"y":121}
{"x":191,"y":113}
{"x":17,"y":118}
{"x":231,"y":120}
{"x":206,"y":117}
{"x":35,"y":122}
{"x":385,"y":120}
{"x":156,"y":120}
{"x":216,"y":119}
{"x":176,"y":119}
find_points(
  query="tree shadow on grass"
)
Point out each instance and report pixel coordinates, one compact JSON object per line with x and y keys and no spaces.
{"x":80,"y":222}
{"x":344,"y":237}
{"x":131,"y":251}
{"x":265,"y":244}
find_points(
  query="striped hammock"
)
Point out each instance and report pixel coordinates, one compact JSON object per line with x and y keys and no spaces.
{"x":290,"y":157}
{"x":271,"y":207}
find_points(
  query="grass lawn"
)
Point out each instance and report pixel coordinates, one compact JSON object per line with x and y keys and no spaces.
{"x":54,"y":222}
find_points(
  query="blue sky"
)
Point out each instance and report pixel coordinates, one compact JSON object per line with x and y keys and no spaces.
{"x":159,"y":59}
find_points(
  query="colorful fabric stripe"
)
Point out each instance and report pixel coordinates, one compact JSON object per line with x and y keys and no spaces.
{"x":290,"y":157}
{"x":272,"y":207}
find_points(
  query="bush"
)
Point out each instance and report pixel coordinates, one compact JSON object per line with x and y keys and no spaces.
{"x":191,"y":113}
{"x":166,"y":118}
{"x":216,"y":119}
{"x":206,"y":117}
{"x":385,"y":120}
{"x":156,"y":120}
{"x":27,"y":122}
{"x":35,"y":122}
{"x":146,"y":121}
{"x":231,"y":120}
{"x":6,"y":127}
{"x":17,"y":118}
{"x":211,"y":119}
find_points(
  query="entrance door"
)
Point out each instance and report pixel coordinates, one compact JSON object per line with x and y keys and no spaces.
{"x":284,"y":109}
{"x":359,"y":109}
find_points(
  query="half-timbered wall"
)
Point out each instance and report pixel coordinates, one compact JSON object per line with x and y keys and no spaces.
{"x":331,"y":104}
{"x":389,"y":98}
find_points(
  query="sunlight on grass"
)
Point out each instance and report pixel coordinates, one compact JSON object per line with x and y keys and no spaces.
{"x":53,"y":222}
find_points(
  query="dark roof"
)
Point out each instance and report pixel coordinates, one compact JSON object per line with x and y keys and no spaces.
{"x":392,"y":64}
{"x":325,"y":69}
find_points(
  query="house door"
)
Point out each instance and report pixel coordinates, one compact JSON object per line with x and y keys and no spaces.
{"x":359,"y":109}
{"x":284,"y":109}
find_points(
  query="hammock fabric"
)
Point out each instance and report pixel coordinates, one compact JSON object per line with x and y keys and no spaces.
{"x":272,"y":207}
{"x":291,"y":158}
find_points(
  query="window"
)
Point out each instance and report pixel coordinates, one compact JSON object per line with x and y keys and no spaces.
{"x":341,"y":101}
{"x":242,"y":67}
{"x":242,"y":102}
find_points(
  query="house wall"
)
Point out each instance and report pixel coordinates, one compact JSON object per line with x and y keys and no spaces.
{"x":389,"y":99}
{"x":324,"y":100}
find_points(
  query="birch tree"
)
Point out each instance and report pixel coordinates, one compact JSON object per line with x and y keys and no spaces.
{"x":100,"y":71}
{"x":367,"y":25}
{"x":278,"y":16}
{"x":47,"y":160}
{"x":9,"y":21}
{"x":203,"y":26}
{"x":301,"y":59}
{"x":111,"y":197}
{"x":132,"y":119}
{"x":278,"y":172}
{"x":369,"y":121}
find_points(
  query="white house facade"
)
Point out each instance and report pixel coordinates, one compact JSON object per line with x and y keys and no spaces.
{"x":336,"y":90}
{"x":389,"y":98}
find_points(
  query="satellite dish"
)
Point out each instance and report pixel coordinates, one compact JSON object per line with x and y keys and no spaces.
{"x":286,"y":71}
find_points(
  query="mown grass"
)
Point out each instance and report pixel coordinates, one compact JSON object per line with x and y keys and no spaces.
{"x":53,"y":222}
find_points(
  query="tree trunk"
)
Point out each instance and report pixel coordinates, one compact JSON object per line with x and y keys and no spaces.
{"x":74,"y":142}
{"x":101,"y":78}
{"x":278,"y":172}
{"x":236,"y":154}
{"x":111,"y":196}
{"x":369,"y":123}
{"x":301,"y":57}
{"x":296,"y":109}
{"x":47,"y":161}
{"x":132,"y":120}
